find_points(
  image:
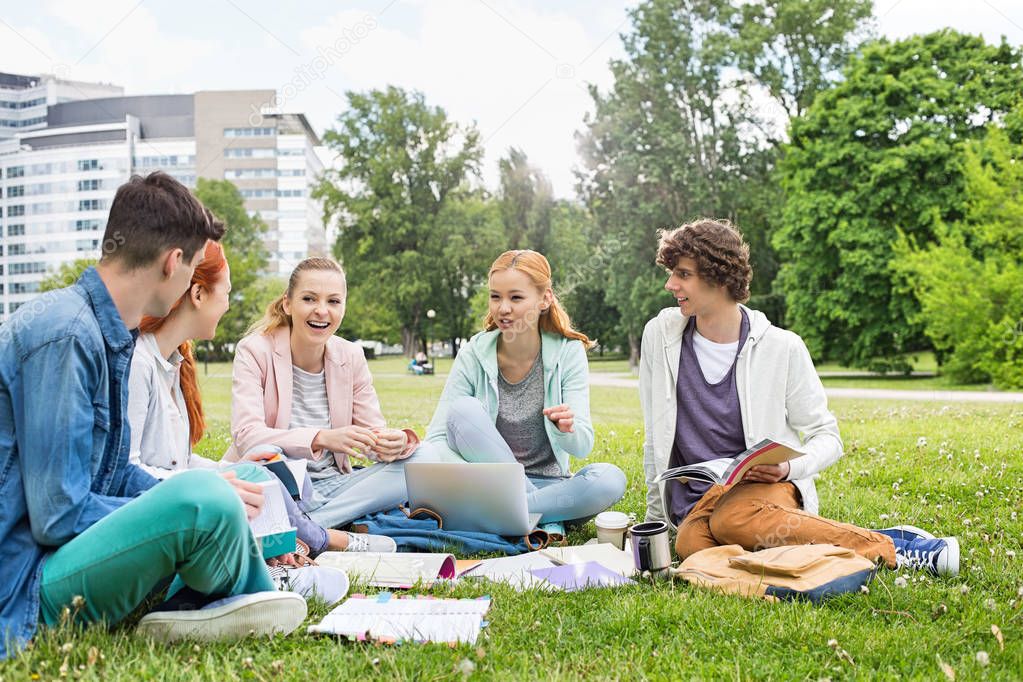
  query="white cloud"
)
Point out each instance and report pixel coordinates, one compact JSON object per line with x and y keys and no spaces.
{"x":519,"y":73}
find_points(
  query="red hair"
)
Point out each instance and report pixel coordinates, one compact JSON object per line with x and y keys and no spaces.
{"x":207,"y":274}
{"x":535,"y":266}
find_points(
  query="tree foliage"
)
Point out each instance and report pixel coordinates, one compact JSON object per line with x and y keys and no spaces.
{"x":402,"y":162}
{"x":684,"y":133}
{"x":247,"y":257}
{"x":527,"y":203}
{"x":970,"y":281}
{"x":67,"y":274}
{"x":877,"y":154}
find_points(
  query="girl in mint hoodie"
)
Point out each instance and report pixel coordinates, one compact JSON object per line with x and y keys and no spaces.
{"x":519,"y":392}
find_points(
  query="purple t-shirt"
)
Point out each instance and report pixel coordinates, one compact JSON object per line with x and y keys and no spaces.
{"x":708,"y":424}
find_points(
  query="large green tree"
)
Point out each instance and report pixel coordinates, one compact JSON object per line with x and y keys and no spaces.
{"x":877,"y":154}
{"x":527,"y":202}
{"x":247,"y":257}
{"x":686,"y":131}
{"x":402,"y":162}
{"x":970,"y":281}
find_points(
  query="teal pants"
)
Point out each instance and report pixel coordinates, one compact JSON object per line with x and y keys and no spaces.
{"x":191,"y":527}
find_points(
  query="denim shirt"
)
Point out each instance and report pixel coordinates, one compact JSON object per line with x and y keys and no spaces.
{"x":64,"y":437}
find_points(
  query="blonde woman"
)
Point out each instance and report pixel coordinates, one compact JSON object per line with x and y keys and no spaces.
{"x":301,"y":390}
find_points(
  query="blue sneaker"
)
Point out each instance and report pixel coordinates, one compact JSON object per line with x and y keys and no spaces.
{"x":905,"y":532}
{"x":940,"y":556}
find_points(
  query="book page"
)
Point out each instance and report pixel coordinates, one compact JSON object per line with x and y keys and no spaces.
{"x":513,"y":570}
{"x":401,"y":570}
{"x":604,"y":554}
{"x":273,"y":517}
{"x":766,"y":451}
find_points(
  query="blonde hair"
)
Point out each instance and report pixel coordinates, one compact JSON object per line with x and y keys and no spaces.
{"x":535,"y":266}
{"x":274,"y":317}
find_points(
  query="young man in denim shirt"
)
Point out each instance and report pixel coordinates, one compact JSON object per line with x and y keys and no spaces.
{"x":80,"y":527}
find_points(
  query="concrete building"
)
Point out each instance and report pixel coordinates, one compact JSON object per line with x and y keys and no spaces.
{"x":24,"y":99}
{"x":57,"y":179}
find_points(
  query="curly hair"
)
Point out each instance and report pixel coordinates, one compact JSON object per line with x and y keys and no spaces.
{"x":721,"y":254}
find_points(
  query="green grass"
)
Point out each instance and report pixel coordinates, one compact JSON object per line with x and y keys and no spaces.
{"x":965,"y":478}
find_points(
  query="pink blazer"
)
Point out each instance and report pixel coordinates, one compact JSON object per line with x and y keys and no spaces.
{"x":262,"y":388}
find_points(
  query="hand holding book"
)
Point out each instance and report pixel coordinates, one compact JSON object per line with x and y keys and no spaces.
{"x":768,"y":458}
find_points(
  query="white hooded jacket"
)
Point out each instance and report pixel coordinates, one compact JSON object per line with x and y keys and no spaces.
{"x":780,"y":397}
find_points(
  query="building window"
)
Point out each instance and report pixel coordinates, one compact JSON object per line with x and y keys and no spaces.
{"x":88,"y":185}
{"x":90,"y":205}
{"x":15,"y":210}
{"x":16,"y":191}
{"x":16,"y":171}
{"x":248,"y":132}
{"x":15,"y":249}
{"x":258,"y":193}
{"x":15,"y":230}
{"x":250,"y":153}
{"x":14,"y":307}
{"x":27,"y":268}
{"x":291,"y":193}
{"x":86,"y":225}
{"x":88,"y":164}
{"x":24,"y":287}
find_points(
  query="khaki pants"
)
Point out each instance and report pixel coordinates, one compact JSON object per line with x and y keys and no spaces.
{"x":762,"y":515}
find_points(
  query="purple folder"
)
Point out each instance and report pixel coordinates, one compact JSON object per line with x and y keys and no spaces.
{"x":572,"y":577}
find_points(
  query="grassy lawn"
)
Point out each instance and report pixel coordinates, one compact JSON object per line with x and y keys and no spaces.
{"x":955,"y":469}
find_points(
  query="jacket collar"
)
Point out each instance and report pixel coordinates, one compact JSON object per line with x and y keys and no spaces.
{"x":115,"y":333}
{"x":673,"y":325}
{"x":551,"y":347}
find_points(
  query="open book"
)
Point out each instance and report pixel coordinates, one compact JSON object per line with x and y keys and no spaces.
{"x":272,"y":528}
{"x":728,"y":470}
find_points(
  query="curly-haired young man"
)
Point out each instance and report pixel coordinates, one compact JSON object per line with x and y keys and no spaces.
{"x":717,"y":377}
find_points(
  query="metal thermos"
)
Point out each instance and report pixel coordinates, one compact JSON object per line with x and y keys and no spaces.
{"x":650,"y":548}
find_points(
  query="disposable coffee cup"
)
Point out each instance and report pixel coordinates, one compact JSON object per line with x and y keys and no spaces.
{"x":611,"y":526}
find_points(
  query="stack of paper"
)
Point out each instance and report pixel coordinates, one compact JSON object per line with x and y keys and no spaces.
{"x":513,"y":570}
{"x":417,"y":619}
{"x":396,"y":570}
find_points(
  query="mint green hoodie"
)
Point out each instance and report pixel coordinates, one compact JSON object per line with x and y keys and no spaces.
{"x":565,"y":380}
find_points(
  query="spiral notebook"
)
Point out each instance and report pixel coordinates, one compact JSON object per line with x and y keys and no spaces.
{"x":387,"y":619}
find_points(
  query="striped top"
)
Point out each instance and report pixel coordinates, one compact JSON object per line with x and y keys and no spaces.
{"x":309,"y":409}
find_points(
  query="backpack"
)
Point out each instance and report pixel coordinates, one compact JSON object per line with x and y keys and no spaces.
{"x":792,"y":572}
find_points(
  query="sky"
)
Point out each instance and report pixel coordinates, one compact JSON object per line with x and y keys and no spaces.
{"x":518,"y":69}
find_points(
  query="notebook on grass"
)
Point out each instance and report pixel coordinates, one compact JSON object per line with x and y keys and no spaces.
{"x":383,"y":618}
{"x":573,"y":577}
{"x":605,"y":554}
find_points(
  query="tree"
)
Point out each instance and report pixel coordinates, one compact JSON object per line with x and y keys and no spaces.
{"x":876,"y":155}
{"x":526,"y":201}
{"x":970,"y":281}
{"x":247,"y":257}
{"x":67,"y":274}
{"x":673,"y":140}
{"x":402,"y":162}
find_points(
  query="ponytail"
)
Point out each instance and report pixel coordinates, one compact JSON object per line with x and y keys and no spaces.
{"x":190,"y":392}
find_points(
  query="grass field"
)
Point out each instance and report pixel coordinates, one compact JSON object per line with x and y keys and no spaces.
{"x":951,"y":468}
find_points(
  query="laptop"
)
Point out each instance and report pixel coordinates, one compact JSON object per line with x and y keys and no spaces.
{"x":487,"y":498}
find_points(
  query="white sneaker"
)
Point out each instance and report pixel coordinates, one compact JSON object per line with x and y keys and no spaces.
{"x":322,"y":582}
{"x":361,"y":542}
{"x":259,"y":613}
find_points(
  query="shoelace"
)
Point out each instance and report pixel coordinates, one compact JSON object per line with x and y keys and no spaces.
{"x":915,"y":559}
{"x":357,"y":543}
{"x":281,"y":577}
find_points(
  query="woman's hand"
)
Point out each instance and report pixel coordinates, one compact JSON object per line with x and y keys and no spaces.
{"x":260,"y":457}
{"x":390,"y":445}
{"x":354,"y":441}
{"x":767,"y":473}
{"x":562,"y":416}
{"x":250,"y":493}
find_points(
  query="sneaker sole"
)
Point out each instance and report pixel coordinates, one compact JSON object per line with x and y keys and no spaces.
{"x":950,"y":566}
{"x":259,"y":614}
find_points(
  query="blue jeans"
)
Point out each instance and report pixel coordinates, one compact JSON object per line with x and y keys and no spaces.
{"x":338,"y":499}
{"x":592,"y":489}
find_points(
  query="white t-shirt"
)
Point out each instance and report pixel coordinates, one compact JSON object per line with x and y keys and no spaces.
{"x":715,"y":358}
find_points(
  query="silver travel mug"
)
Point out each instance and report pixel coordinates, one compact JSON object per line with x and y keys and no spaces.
{"x":650,"y":548}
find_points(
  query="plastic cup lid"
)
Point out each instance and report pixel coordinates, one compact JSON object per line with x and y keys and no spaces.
{"x":612,"y":519}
